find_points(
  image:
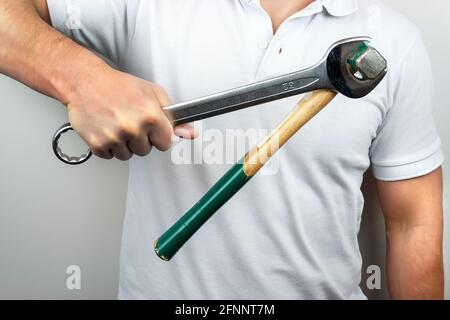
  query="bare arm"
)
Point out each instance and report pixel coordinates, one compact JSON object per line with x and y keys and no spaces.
{"x":115,"y":113}
{"x":29,"y":44}
{"x":414,"y":224}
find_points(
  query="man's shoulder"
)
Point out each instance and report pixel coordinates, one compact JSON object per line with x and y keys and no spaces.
{"x":392,"y":32}
{"x":389,"y":22}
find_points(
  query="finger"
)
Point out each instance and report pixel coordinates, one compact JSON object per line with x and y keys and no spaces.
{"x":104,"y":154}
{"x":140,"y":146}
{"x":160,"y":134}
{"x":186,"y":131}
{"x":121,"y":152}
{"x":98,"y":148}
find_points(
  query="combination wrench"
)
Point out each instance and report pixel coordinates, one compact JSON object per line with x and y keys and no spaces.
{"x":353,"y":79}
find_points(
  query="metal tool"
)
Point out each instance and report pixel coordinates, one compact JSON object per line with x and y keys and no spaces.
{"x":332,"y":72}
{"x":353,"y":68}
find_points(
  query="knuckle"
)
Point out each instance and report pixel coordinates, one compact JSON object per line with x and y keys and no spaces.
{"x":129,"y":132}
{"x":113,"y":139}
{"x":150,"y":119}
{"x":96,"y":146}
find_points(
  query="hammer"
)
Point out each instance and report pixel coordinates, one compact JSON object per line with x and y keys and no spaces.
{"x":350,"y":67}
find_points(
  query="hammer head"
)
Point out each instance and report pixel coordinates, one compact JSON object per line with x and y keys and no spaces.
{"x":355,"y":68}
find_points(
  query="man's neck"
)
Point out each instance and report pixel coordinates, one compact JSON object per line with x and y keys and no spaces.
{"x":280,"y":10}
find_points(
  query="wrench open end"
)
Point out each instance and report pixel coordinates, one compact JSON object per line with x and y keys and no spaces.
{"x":355,"y":68}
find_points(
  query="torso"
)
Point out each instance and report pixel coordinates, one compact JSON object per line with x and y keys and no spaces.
{"x":292,"y":231}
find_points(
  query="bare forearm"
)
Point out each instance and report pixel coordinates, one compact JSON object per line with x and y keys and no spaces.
{"x":415,"y":262}
{"x":34,"y":53}
{"x":413,"y":213}
{"x":117,"y":114}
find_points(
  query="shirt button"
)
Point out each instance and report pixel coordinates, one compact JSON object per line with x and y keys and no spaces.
{"x":262,"y":44}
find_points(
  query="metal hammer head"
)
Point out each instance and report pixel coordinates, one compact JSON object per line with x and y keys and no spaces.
{"x":355,"y":68}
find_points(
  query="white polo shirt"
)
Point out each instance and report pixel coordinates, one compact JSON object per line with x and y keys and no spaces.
{"x":291,"y":233}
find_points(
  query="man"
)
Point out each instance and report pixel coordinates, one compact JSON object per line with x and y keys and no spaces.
{"x":292,"y":233}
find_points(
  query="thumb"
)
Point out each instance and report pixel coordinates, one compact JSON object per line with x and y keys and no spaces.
{"x":186,"y":131}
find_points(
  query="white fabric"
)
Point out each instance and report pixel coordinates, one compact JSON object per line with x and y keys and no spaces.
{"x":291,"y":233}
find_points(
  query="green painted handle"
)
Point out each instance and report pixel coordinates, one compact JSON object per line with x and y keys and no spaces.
{"x":174,"y":238}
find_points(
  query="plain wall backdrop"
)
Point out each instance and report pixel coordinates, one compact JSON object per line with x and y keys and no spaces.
{"x":53,"y":216}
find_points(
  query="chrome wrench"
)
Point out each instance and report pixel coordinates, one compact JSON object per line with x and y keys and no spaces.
{"x":353,"y":79}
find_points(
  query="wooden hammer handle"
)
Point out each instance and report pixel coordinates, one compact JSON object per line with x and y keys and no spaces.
{"x":305,"y":110}
{"x":174,"y":238}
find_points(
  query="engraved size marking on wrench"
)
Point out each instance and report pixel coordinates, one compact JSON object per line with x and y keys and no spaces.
{"x":288,"y":86}
{"x":298,"y":84}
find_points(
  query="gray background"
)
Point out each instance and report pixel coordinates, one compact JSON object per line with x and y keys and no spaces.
{"x":53,"y":216}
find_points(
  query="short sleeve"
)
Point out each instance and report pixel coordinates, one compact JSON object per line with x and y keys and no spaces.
{"x":407,"y":145}
{"x":101,"y":25}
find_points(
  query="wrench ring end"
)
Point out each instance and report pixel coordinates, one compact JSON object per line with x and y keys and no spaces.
{"x":61,"y":155}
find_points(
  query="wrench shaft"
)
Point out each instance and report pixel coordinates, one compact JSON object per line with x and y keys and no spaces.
{"x":249,"y":95}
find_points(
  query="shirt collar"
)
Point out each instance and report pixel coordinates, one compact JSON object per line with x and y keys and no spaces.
{"x":338,"y":8}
